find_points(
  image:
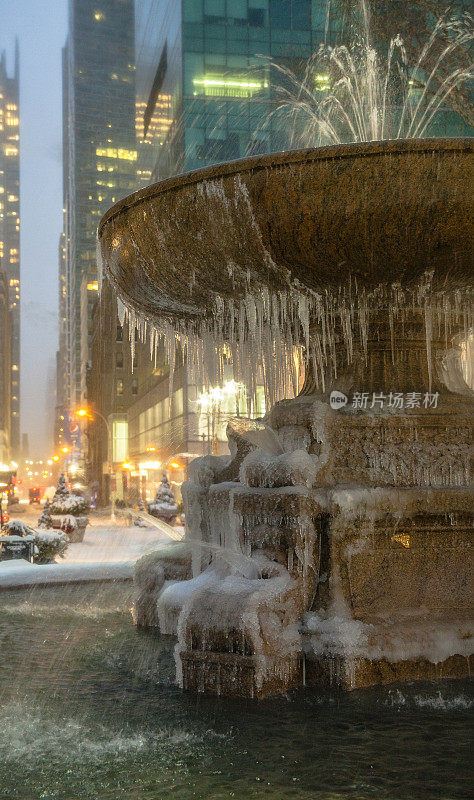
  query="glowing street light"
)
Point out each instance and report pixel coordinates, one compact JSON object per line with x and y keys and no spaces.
{"x":85,"y":413}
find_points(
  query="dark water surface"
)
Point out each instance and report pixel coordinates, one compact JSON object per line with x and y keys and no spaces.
{"x":88,"y":710}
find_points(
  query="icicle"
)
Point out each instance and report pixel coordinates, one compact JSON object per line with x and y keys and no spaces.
{"x":428,"y":332}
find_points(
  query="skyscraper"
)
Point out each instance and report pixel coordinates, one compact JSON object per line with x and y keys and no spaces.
{"x":5,"y":367}
{"x":10,"y":227}
{"x":99,"y":157}
{"x":204,"y":75}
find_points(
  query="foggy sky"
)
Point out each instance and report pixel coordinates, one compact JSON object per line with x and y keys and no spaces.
{"x":41,"y":28}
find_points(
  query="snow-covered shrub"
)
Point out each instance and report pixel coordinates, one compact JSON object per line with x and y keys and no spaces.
{"x":50,"y":544}
{"x":61,"y":490}
{"x":74,"y":504}
{"x":44,"y":519}
{"x":163,"y":505}
{"x":66,"y":503}
{"x":16,"y":527}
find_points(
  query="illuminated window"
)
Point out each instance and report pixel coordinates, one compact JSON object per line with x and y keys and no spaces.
{"x":113,"y":152}
{"x":220,"y":86}
{"x":120,"y":441}
{"x":99,"y":16}
{"x":93,"y":286}
{"x":119,"y":388}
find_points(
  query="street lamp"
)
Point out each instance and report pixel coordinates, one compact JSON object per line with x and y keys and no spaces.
{"x":86,"y":413}
{"x":2,"y":487}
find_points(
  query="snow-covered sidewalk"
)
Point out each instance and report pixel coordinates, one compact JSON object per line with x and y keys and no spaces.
{"x":107,"y":553}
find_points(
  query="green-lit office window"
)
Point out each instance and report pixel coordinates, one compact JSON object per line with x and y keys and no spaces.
{"x":259,"y":4}
{"x":239,"y":62}
{"x":319,"y":9}
{"x":237,"y":9}
{"x":193,"y":70}
{"x":301,"y":14}
{"x":193,"y":142}
{"x":280,"y":13}
{"x":258,"y":13}
{"x":193,"y":10}
{"x":215,"y":60}
{"x":214,"y":8}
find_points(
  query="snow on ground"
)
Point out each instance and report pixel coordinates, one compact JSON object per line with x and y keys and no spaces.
{"x":108,"y":552}
{"x":114,"y":543}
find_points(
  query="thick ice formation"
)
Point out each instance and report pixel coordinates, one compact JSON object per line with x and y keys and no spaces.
{"x":286,"y":330}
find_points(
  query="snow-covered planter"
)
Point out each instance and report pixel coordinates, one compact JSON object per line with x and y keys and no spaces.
{"x":163,"y":506}
{"x":67,"y":512}
{"x":50,"y":544}
{"x":74,"y":527}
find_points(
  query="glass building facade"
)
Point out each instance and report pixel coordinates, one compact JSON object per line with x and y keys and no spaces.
{"x":10,"y":230}
{"x":206,"y":72}
{"x":204,"y":76}
{"x":99,"y":156}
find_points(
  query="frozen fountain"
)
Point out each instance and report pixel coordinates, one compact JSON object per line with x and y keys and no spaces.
{"x":332,"y":545}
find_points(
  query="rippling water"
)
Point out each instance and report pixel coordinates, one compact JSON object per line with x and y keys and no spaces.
{"x":88,"y":710}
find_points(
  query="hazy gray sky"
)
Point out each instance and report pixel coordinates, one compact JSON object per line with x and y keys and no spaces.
{"x":41,"y":28}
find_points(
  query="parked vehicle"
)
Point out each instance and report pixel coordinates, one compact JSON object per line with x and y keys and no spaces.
{"x":35,"y":495}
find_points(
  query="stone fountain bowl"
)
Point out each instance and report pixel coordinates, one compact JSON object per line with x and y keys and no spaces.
{"x":375,"y":213}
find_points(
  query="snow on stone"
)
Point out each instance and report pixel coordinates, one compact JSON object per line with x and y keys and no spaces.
{"x":21,"y":573}
{"x":297,"y":468}
{"x":401,"y":640}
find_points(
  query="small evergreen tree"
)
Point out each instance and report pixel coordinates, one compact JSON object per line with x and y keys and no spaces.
{"x":45,"y":520}
{"x":61,"y":491}
{"x":163,"y":505}
{"x":64,"y":502}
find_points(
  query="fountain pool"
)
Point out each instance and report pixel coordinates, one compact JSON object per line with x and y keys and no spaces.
{"x":89,"y":710}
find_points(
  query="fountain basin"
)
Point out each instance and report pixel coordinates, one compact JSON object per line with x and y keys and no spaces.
{"x":376,"y":212}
